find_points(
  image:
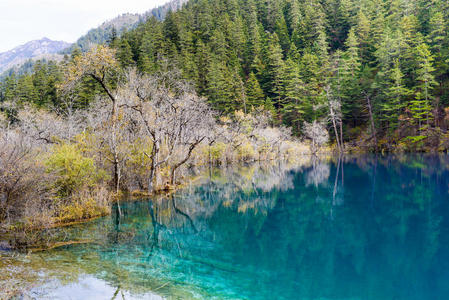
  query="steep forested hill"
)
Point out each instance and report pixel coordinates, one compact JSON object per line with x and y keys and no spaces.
{"x":372,"y":68}
{"x":387,"y":57}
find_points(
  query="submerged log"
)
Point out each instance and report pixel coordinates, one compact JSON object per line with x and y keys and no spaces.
{"x":58,"y":245}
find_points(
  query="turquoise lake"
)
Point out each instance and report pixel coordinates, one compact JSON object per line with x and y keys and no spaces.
{"x":358,"y":227}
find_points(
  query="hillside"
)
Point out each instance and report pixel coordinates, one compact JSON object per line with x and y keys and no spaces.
{"x":120,"y":24}
{"x":38,"y":49}
{"x":102,"y":33}
{"x":376,"y":70}
{"x":48,"y":50}
{"x":373,"y":73}
{"x":160,"y":12}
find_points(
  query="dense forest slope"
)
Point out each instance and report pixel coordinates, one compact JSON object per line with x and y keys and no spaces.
{"x":375,"y":71}
{"x":334,"y":59}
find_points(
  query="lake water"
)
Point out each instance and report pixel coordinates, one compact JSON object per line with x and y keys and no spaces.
{"x":362,"y":227}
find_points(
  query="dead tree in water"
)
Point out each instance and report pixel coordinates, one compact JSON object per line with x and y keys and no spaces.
{"x":171,"y":115}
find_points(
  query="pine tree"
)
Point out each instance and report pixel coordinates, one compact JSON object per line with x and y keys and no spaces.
{"x":378,"y":23}
{"x":310,"y":73}
{"x":294,"y":15}
{"x":410,"y":38}
{"x":276,"y":70}
{"x":438,"y":39}
{"x":41,"y":82}
{"x":171,"y":29}
{"x":112,"y":38}
{"x":282,"y":33}
{"x":10,"y":87}
{"x":151,"y":46}
{"x":322,"y":49}
{"x":254,"y":94}
{"x":25,"y":90}
{"x":350,"y":92}
{"x":438,"y":33}
{"x":363,"y":30}
{"x":124,"y":54}
{"x":254,"y":39}
{"x":219,"y":87}
{"x":294,"y":91}
{"x":352,"y":53}
{"x":396,"y":93}
{"x":202,"y":60}
{"x":219,"y":45}
{"x":420,"y":107}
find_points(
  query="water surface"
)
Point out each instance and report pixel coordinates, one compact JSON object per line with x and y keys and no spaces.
{"x":364,"y":227}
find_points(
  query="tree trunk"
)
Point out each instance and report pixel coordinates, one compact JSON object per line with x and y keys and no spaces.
{"x":186,"y":158}
{"x":116,"y":174}
{"x":335,"y":129}
{"x":154,"y":158}
{"x":370,"y":111}
{"x":114,"y":146}
{"x":341,"y":136}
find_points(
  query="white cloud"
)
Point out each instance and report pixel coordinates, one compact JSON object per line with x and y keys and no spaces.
{"x":25,"y":20}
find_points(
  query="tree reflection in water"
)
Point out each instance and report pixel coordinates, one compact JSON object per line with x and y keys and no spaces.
{"x":352,"y":227}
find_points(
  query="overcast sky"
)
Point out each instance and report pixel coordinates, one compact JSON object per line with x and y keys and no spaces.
{"x":25,"y":20}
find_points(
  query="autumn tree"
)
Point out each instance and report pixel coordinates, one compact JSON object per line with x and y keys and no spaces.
{"x":100,"y":65}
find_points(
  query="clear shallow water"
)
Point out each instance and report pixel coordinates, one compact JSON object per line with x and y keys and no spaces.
{"x":361,"y":227}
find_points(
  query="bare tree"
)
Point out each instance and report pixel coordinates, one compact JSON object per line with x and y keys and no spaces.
{"x":335,"y":116}
{"x":24,"y":189}
{"x":317,"y":133}
{"x":170,"y":114}
{"x":98,"y":63}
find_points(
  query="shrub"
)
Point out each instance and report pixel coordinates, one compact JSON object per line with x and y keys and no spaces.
{"x":246,"y":151}
{"x":72,"y":169}
{"x":216,"y":151}
{"x":85,"y":205}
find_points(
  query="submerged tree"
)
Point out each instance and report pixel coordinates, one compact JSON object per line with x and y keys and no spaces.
{"x":171,"y":115}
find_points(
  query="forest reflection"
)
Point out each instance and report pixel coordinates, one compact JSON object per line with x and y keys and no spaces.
{"x":361,"y":226}
{"x":350,"y":227}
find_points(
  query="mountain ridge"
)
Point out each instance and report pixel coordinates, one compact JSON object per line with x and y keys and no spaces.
{"x":48,"y":49}
{"x":43,"y":48}
{"x":122,"y":23}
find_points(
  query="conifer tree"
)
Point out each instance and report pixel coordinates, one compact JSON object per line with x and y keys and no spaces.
{"x":25,"y":90}
{"x":310,"y":73}
{"x":124,"y":54}
{"x":362,"y":31}
{"x":351,"y":96}
{"x":294,"y":15}
{"x":254,"y":93}
{"x":438,"y":39}
{"x":420,"y":107}
{"x":202,"y":60}
{"x":352,"y":53}
{"x":276,"y":70}
{"x":219,"y":88}
{"x":294,"y":91}
{"x":396,"y":93}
